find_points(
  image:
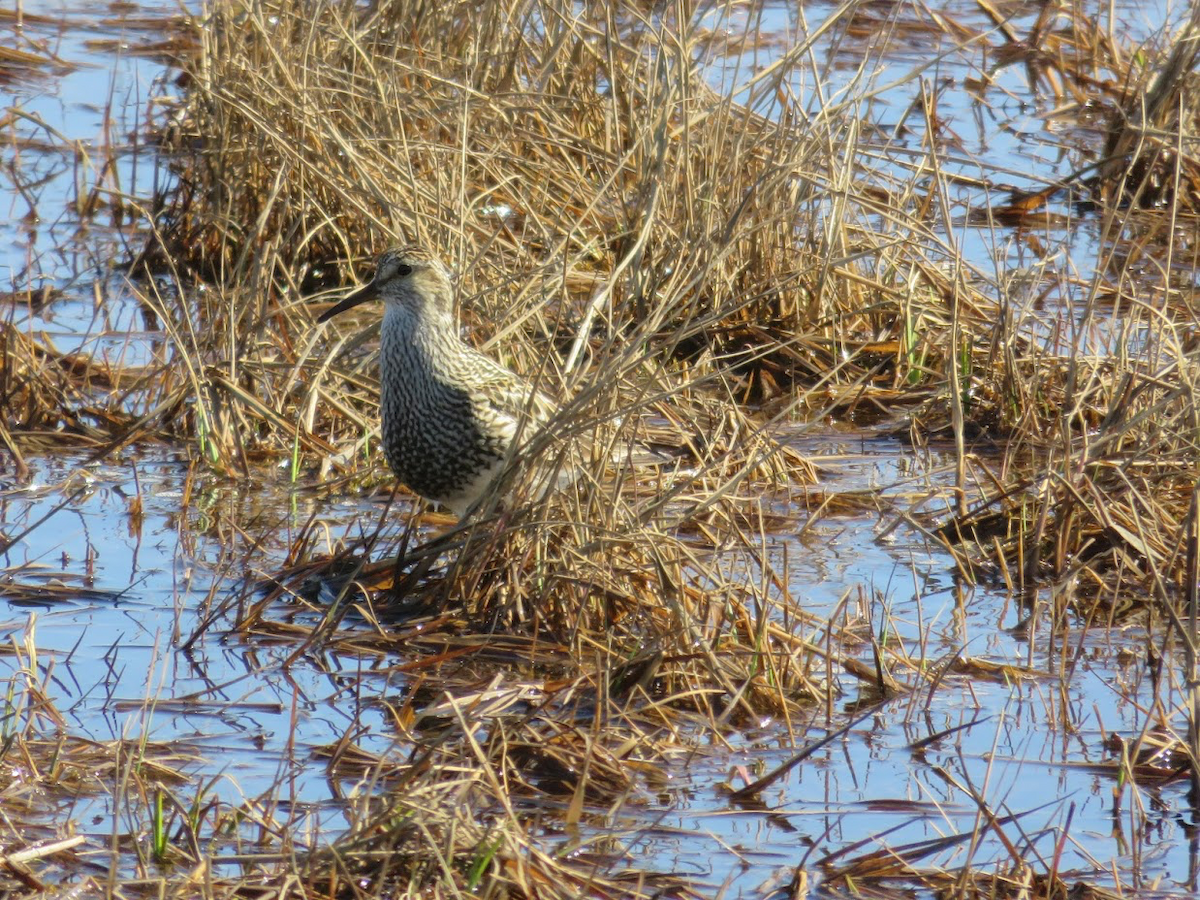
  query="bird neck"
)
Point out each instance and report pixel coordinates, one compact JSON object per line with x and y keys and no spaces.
{"x":424,"y":331}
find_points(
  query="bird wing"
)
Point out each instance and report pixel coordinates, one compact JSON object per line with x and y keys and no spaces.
{"x":505,"y":394}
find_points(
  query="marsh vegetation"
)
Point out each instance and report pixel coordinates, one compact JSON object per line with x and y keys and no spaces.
{"x":718,"y":231}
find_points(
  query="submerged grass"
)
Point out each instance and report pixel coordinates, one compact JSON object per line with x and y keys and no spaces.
{"x":1097,"y":405}
{"x":681,"y":266}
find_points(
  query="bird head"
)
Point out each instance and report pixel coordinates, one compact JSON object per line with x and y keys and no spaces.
{"x":409,"y":276}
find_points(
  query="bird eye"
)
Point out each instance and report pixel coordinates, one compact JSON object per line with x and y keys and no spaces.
{"x":402,"y":270}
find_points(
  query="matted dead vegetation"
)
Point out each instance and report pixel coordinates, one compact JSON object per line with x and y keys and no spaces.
{"x":637,"y":244}
{"x":44,"y":770}
{"x":628,"y":238}
{"x":1096,"y":404}
{"x":681,"y":267}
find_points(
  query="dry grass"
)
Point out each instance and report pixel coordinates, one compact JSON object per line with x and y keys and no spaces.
{"x":635,"y":243}
{"x":45,"y":770}
{"x":1096,"y":403}
{"x":705,"y":265}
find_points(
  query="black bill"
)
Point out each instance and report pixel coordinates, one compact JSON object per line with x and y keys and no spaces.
{"x":362,"y":295}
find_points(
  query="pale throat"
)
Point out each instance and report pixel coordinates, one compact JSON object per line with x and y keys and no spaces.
{"x":411,"y":334}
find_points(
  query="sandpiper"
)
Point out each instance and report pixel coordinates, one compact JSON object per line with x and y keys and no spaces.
{"x":450,"y":414}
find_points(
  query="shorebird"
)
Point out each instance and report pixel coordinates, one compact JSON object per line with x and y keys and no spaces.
{"x":451,"y":415}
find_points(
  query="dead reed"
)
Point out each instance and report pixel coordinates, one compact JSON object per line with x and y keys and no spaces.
{"x":44,"y":769}
{"x":1095,"y":404}
{"x":627,"y":237}
{"x":635,"y":243}
{"x":706,"y":264}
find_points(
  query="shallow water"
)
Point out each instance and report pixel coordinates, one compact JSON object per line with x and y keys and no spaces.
{"x":1027,"y":738}
{"x":147,"y":585}
{"x":233,"y":700}
{"x":139,"y":548}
